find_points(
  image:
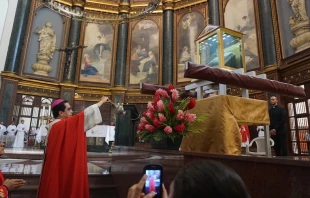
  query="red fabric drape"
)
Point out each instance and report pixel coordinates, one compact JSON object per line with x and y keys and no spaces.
{"x":64,"y":173}
{"x":3,"y":188}
{"x":245,"y":133}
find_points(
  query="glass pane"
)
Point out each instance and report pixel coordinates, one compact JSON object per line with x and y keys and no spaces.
{"x":292,"y":123}
{"x":26,"y":111}
{"x":294,"y":148}
{"x":290,"y":109}
{"x":293,"y":135}
{"x":304,"y":148}
{"x":34,"y":122}
{"x":16,"y":110}
{"x":35,"y":112}
{"x":232,"y":51}
{"x":208,"y":51}
{"x":303,"y":134}
{"x":300,"y":108}
{"x":302,"y":123}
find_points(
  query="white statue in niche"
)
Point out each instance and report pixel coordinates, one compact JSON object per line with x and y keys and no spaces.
{"x":299,"y":8}
{"x":47,"y":46}
{"x":300,"y":25}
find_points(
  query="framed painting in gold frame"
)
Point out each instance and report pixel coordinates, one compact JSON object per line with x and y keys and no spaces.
{"x":189,"y":23}
{"x":144,"y":51}
{"x":243,"y":16}
{"x":96,"y":61}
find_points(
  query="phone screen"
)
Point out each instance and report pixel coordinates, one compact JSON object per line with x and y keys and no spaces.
{"x":153,"y":182}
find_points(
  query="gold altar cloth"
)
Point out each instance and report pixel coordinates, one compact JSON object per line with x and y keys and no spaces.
{"x":221,"y":128}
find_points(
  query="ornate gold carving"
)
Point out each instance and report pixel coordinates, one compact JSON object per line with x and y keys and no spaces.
{"x":37,"y":91}
{"x":78,"y":3}
{"x":168,"y":4}
{"x":124,"y":7}
{"x":138,"y":99}
{"x":276,"y":31}
{"x":178,"y":4}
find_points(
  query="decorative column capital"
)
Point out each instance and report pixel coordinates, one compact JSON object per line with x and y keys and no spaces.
{"x":78,"y":3}
{"x":124,"y":7}
{"x":168,"y":4}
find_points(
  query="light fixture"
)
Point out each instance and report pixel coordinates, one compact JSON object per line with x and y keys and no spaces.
{"x":100,"y":17}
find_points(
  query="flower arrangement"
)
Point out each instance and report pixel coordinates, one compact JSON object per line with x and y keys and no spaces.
{"x":165,"y":116}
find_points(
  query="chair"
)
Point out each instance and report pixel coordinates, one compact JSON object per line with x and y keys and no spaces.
{"x":260,"y":144}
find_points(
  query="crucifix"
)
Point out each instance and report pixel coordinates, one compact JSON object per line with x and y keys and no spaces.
{"x":68,"y":51}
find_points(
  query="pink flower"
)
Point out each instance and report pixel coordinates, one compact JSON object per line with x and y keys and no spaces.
{"x":162,"y":118}
{"x":157,"y":123}
{"x":150,"y":114}
{"x":141,"y":126}
{"x":162,"y":93}
{"x":168,"y":129}
{"x":143,"y":120}
{"x":138,"y":131}
{"x":149,"y":127}
{"x":160,"y":105}
{"x":189,"y":117}
{"x":174,"y":95}
{"x":150,"y":106}
{"x":180,"y":115}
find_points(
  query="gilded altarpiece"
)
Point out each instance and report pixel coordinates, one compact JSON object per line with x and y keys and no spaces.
{"x":144,"y":51}
{"x":96,"y":60}
{"x":189,"y":23}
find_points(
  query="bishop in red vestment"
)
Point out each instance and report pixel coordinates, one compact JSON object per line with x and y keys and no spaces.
{"x":64,"y":171}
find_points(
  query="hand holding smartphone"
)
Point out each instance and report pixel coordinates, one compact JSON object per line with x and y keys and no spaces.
{"x":153,"y":183}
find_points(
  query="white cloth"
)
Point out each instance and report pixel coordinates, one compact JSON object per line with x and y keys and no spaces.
{"x":41,"y":132}
{"x":102,"y":131}
{"x":92,"y":117}
{"x":11,"y":135}
{"x":2,"y":130}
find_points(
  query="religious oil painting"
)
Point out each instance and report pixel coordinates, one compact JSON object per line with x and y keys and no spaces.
{"x":144,"y":57}
{"x":240,"y":16}
{"x":293,"y":18}
{"x":97,"y":56}
{"x":189,"y":27}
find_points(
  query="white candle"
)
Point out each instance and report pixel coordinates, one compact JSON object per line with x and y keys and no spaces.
{"x":43,"y":112}
{"x":49,"y":110}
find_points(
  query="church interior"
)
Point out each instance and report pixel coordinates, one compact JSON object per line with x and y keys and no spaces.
{"x":212,"y":65}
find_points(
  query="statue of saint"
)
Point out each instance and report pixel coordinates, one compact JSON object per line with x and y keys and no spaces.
{"x":299,"y":8}
{"x":47,"y":46}
{"x":47,"y":40}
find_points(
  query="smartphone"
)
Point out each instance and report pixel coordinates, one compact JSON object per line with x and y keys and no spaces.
{"x":154,"y":179}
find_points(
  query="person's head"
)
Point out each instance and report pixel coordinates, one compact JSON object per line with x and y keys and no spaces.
{"x":1,"y":148}
{"x":12,"y":123}
{"x":22,"y":121}
{"x":1,"y":123}
{"x":273,"y":101}
{"x":61,"y":109}
{"x":207,"y":179}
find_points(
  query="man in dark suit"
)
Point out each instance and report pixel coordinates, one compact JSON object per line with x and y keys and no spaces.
{"x":277,"y":127}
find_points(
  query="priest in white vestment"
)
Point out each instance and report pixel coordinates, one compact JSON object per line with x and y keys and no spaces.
{"x":2,"y":130}
{"x":10,"y":137}
{"x":20,"y":135}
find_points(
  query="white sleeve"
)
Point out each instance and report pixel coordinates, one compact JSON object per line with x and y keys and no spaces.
{"x":92,"y":117}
